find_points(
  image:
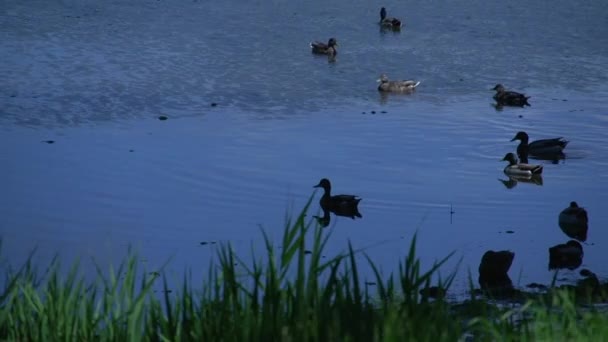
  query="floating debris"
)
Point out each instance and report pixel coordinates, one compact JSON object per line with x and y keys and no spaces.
{"x":162,"y":118}
{"x":307,"y":252}
{"x":49,"y":141}
{"x":213,"y":104}
{"x":373,"y":112}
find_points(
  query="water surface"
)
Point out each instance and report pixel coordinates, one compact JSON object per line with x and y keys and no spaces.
{"x":94,"y":77}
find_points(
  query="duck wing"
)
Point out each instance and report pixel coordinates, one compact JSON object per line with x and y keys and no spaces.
{"x":534,"y":169}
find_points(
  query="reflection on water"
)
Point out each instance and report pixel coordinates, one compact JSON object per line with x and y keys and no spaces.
{"x":512,"y":180}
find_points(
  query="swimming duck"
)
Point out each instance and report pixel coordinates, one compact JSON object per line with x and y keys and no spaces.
{"x":509,"y":98}
{"x":494,"y":268}
{"x":393,"y":23}
{"x":325,"y":49}
{"x":343,"y":205}
{"x":516,"y":169}
{"x":574,"y":222}
{"x":542,"y":147}
{"x":396,"y":86}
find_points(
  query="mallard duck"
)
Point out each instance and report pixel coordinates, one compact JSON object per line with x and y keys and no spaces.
{"x":343,"y":205}
{"x":543,"y":147}
{"x":393,"y":23}
{"x":509,"y":98}
{"x":494,"y":268}
{"x":574,"y":214}
{"x":574,"y":222}
{"x":325,"y":49}
{"x":496,"y":263}
{"x":516,"y":169}
{"x":567,"y":255}
{"x":396,"y":86}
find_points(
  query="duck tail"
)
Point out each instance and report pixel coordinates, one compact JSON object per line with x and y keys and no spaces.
{"x":417,"y":83}
{"x":526,"y":103}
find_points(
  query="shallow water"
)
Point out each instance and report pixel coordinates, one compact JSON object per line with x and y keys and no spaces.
{"x":94,"y":77}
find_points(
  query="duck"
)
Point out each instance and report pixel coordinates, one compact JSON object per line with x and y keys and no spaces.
{"x":509,"y":98}
{"x":396,"y":86}
{"x":567,"y":255}
{"x":574,"y":214}
{"x":494,"y":268}
{"x":516,"y":169}
{"x":574,"y":222}
{"x":543,"y":147}
{"x":342,"y":205}
{"x":329,"y":49}
{"x":393,"y":23}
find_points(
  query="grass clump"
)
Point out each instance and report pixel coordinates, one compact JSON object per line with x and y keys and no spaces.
{"x":292,"y":294}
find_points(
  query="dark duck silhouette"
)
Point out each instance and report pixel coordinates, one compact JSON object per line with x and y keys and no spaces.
{"x":574,"y":222}
{"x":567,"y":255}
{"x":504,"y":97}
{"x":494,"y":268}
{"x":543,"y":148}
{"x":385,"y":22}
{"x":329,"y":49}
{"x":341,"y":205}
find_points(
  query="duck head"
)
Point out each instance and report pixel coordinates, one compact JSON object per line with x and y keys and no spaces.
{"x":324,"y":183}
{"x":511,"y":158}
{"x":499,"y":87}
{"x":332,"y":42}
{"x":383,"y":79}
{"x":382,"y":13}
{"x":522,"y":136}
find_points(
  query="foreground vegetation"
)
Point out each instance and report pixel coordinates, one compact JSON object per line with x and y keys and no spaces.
{"x":293,"y":294}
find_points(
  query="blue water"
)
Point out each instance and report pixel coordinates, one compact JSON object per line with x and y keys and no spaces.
{"x":94,"y":77}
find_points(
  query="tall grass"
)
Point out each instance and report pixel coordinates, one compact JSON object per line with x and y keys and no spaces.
{"x":291,"y":294}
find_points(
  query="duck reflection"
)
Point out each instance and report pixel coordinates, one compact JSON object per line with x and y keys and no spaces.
{"x":513,"y":180}
{"x":567,"y":255}
{"x":493,"y":270}
{"x":325,"y":220}
{"x":574,"y":222}
{"x":340,"y":205}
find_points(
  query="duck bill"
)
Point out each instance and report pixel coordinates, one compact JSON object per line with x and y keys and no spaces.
{"x":317,"y":186}
{"x":514,"y":139}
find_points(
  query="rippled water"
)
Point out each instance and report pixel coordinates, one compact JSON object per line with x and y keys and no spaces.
{"x":93,"y":77}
